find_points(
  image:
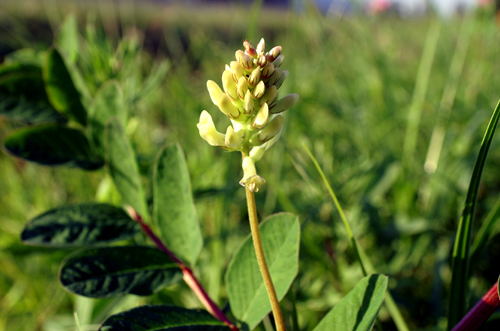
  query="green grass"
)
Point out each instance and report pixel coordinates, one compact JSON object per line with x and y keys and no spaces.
{"x":358,"y":78}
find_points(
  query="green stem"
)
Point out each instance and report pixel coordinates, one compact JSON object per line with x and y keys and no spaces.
{"x":261,"y":259}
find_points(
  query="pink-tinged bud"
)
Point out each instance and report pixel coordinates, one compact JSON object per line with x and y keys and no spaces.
{"x":248,"y":103}
{"x":280,"y":81}
{"x":261,"y":47}
{"x":227,"y":107}
{"x":275,"y":76}
{"x":262,"y":61}
{"x":214,"y":91}
{"x":259,"y":90}
{"x":274,"y":53}
{"x":237,"y":70}
{"x":278,"y":61}
{"x":249,"y":49}
{"x":229,"y":84}
{"x":242,"y":87}
{"x":254,"y":78}
{"x":259,"y":120}
{"x":285,"y":103}
{"x":269,"y":96}
{"x":234,"y":139}
{"x":267,"y":70}
{"x":208,"y":131}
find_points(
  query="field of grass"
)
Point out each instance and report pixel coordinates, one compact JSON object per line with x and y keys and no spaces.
{"x":373,"y":92}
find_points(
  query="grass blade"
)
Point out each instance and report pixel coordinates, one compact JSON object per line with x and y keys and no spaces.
{"x":460,"y":273}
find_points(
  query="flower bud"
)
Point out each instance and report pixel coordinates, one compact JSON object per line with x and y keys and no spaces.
{"x":285,"y":103}
{"x":280,"y":81}
{"x":275,"y":76}
{"x":259,"y":90}
{"x":242,"y":87}
{"x":237,"y":70}
{"x":278,"y":61}
{"x":249,"y":49}
{"x":214,"y":91}
{"x":269,"y":96}
{"x":272,"y":129}
{"x":254,"y":78}
{"x":256,"y":153}
{"x":262,"y":61}
{"x":261,"y":47}
{"x":234,"y":139}
{"x":246,"y":61}
{"x":259,"y":120}
{"x":208,"y":131}
{"x":229,"y":84}
{"x":274,"y":53}
{"x":248,"y":103}
{"x":267,"y":70}
{"x":227,"y":107}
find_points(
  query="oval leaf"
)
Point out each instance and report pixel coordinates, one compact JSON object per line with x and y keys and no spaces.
{"x":52,"y":144}
{"x":79,"y":225}
{"x":359,"y":308}
{"x":108,"y":103}
{"x":122,"y":167}
{"x":61,"y":91}
{"x":110,"y":271}
{"x":67,"y":37}
{"x":280,"y":235}
{"x":174,"y":211}
{"x":162,"y":317}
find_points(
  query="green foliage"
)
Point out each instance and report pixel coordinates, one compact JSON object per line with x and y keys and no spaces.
{"x":79,"y":225}
{"x":163,"y":318}
{"x":174,"y":211}
{"x":359,"y":308}
{"x":52,"y":144}
{"x":111,"y":271}
{"x":280,"y":235}
{"x":60,"y":88}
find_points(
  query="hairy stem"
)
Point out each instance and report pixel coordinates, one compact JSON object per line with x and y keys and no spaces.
{"x":481,"y":311}
{"x":189,"y":277}
{"x":261,"y":259}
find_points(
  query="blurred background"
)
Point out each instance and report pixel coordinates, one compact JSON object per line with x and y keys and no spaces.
{"x":395,"y":99}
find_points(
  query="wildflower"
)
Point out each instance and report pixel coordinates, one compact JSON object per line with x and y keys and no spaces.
{"x":249,"y":98}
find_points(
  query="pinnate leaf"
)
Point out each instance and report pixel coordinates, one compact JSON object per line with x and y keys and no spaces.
{"x":79,"y":225}
{"x":358,"y":310}
{"x":111,"y":271}
{"x":162,"y":317}
{"x":52,"y":144}
{"x":280,"y":235}
{"x":174,"y":211}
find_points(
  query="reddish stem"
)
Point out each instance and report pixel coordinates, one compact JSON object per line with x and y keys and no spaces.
{"x":189,"y":277}
{"x":480,"y":312}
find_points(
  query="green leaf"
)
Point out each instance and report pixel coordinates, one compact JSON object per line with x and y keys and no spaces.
{"x":280,"y":235}
{"x":358,"y":310}
{"x":52,"y":144}
{"x":174,"y":211}
{"x":22,"y":95}
{"x":60,"y":88}
{"x":108,"y":103}
{"x":461,"y":258}
{"x":67,"y":37}
{"x":122,"y":167}
{"x":79,"y":225}
{"x":162,"y":317}
{"x":111,"y":271}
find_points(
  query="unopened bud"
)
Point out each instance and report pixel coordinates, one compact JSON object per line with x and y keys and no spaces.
{"x":280,"y":81}
{"x":254,"y":78}
{"x":274,"y":53}
{"x":242,"y":87}
{"x":272,"y":129}
{"x":262,"y":61}
{"x":256,"y":153}
{"x":249,"y":49}
{"x":214,"y":91}
{"x":261,"y":118}
{"x":285,"y":103}
{"x":261,"y":46}
{"x":259,"y":90}
{"x":229,"y":84}
{"x":234,"y":139}
{"x":275,"y":76}
{"x":278,"y":61}
{"x":269,"y":96}
{"x":247,"y":62}
{"x":237,"y":70}
{"x":227,"y":107}
{"x":248,"y":103}
{"x":267,"y":70}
